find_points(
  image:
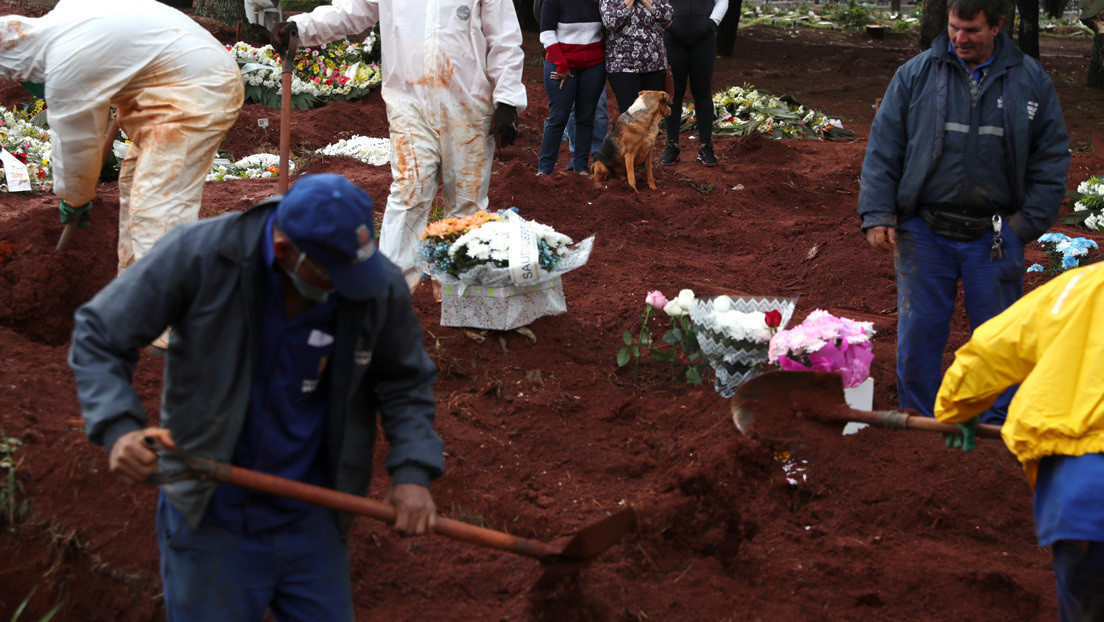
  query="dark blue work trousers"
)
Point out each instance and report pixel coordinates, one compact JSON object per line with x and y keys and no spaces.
{"x":580,"y":91}
{"x":1079,"y":574}
{"x":298,"y":571}
{"x":929,"y":269}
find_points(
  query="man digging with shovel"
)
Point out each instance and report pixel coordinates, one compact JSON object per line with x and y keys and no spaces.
{"x":290,"y":332}
{"x":175,"y":88}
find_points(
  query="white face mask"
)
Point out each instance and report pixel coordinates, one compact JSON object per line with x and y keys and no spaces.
{"x":305,"y":289}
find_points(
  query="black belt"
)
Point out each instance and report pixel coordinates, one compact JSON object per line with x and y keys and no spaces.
{"x":958,"y":224}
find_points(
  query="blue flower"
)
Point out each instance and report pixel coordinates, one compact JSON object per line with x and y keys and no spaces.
{"x":1035,"y":268}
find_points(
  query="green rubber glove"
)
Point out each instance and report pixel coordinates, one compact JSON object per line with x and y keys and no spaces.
{"x":37,"y":89}
{"x":965,"y":441}
{"x":84,"y":212}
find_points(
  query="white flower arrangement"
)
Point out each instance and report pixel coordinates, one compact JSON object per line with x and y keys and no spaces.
{"x":1088,"y":210}
{"x":257,"y":166}
{"x":374,"y":151}
{"x":337,"y":70}
{"x":28,"y":143}
{"x":740,"y":325}
{"x":491,"y":241}
{"x":745,"y":110}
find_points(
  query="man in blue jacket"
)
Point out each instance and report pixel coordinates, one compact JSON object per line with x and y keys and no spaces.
{"x":966,"y":162}
{"x":290,"y":332}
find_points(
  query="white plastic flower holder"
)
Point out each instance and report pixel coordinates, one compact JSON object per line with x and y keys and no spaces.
{"x":734,"y":360}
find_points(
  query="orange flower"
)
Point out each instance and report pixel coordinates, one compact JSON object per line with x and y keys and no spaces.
{"x":275,"y":170}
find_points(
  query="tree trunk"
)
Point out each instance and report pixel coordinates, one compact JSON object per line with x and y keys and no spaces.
{"x":229,"y":12}
{"x":933,"y":22}
{"x":1096,"y":63}
{"x":726,"y":32}
{"x":1027,"y":37}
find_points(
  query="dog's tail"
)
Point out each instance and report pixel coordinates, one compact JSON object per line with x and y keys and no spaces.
{"x":599,"y":171}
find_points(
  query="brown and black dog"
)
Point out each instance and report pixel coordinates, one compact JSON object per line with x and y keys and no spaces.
{"x":631,"y":139}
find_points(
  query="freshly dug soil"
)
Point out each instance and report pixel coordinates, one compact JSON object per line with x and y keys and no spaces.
{"x":544,"y":438}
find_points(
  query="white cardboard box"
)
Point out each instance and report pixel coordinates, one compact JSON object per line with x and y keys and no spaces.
{"x":859,"y":398}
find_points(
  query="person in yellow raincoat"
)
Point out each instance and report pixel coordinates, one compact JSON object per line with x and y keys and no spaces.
{"x":1052,"y":343}
{"x":176,"y":91}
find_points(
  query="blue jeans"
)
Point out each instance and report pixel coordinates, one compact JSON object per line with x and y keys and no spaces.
{"x":929,"y":268}
{"x":1079,"y":574}
{"x":601,"y":125}
{"x":298,"y":571}
{"x":581,"y":91}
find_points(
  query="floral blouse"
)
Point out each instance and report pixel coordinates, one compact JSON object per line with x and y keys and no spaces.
{"x":634,"y":35}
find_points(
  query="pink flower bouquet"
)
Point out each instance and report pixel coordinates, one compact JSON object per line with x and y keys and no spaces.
{"x":824,"y":342}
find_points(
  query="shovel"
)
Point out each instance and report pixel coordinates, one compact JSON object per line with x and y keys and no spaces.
{"x":285,"y":110}
{"x":108,"y":143}
{"x":818,"y":396}
{"x":558,"y":561}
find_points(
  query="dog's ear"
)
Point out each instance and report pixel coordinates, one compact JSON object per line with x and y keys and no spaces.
{"x":599,"y":172}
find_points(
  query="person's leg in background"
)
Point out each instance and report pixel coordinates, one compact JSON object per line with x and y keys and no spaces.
{"x":678,"y":57}
{"x":415,"y":178}
{"x":601,"y":127}
{"x":590,"y":83}
{"x":927,"y":282}
{"x":700,"y":66}
{"x":601,"y":121}
{"x":625,"y":86}
{"x":1079,"y":575}
{"x":561,"y":97}
{"x":990,"y":285}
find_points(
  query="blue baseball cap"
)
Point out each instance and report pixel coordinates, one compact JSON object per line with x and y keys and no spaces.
{"x":331,"y":220}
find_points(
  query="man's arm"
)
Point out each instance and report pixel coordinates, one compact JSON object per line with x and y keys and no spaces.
{"x":885,"y":157}
{"x":1047,"y":162}
{"x":505,"y":59}
{"x":108,"y":331}
{"x":333,"y":21}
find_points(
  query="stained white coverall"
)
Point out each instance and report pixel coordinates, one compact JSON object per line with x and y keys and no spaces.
{"x":446,"y":64}
{"x":176,"y":90}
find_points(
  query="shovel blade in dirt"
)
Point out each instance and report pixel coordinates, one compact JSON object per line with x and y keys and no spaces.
{"x":818,"y":396}
{"x":559,"y":561}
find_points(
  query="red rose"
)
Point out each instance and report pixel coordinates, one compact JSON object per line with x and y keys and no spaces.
{"x":773,"y":318}
{"x":22,"y":157}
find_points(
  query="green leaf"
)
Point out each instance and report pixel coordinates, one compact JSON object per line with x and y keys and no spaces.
{"x":692,"y":376}
{"x":671,"y":337}
{"x":622,"y":357}
{"x":663,"y":355}
{"x":627,"y":338}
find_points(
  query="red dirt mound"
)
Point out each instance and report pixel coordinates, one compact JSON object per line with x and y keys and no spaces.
{"x":544,"y":438}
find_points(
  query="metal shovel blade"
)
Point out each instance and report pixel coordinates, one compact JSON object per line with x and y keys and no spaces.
{"x":788,"y":390}
{"x":586,"y":545}
{"x":788,"y":396}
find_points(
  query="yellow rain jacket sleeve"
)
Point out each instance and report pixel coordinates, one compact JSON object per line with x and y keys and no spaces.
{"x":1051,"y":341}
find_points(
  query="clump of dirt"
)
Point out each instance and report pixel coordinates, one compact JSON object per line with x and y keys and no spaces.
{"x":545,"y":438}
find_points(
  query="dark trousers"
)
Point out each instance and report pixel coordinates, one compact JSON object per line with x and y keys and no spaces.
{"x":579,"y":92}
{"x":1079,"y":573}
{"x":929,"y":269}
{"x":626,"y":86}
{"x":693,"y":63}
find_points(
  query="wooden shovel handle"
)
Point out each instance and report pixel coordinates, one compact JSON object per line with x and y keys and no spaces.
{"x":371,"y":508}
{"x":285,"y":111}
{"x":896,"y":420}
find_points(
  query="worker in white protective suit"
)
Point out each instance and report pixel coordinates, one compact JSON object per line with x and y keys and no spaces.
{"x":452,"y":84}
{"x":176,"y":91}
